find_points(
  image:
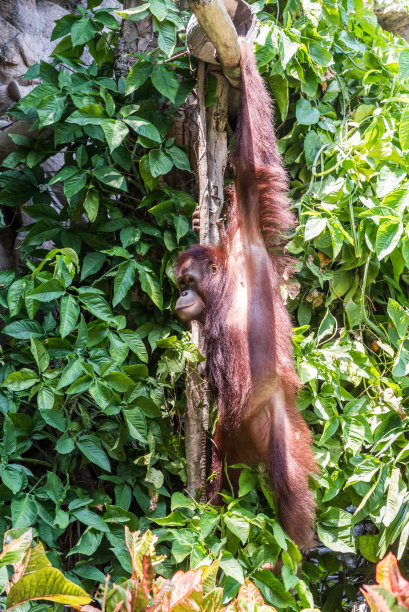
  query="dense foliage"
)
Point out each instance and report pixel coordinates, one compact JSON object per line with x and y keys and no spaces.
{"x":92,"y":356}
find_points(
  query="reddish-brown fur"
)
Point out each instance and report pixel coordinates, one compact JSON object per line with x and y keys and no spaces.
{"x":247,"y":329}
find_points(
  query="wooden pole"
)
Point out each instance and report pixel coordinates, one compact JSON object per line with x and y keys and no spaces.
{"x":211,"y":163}
{"x":197,"y":401}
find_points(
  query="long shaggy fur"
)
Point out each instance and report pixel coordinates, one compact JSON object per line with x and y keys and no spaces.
{"x":247,"y":329}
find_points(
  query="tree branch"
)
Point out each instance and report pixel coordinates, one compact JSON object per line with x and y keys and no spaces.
{"x":216,"y":22}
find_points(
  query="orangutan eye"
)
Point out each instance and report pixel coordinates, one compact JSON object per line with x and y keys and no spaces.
{"x":213,"y":268}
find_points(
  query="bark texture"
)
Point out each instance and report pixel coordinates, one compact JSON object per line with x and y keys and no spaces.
{"x":134,"y":36}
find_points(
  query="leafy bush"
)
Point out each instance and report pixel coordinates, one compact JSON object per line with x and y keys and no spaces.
{"x":91,"y":395}
{"x":34,"y":579}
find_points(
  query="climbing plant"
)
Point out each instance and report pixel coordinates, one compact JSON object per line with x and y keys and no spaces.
{"x":93,"y":358}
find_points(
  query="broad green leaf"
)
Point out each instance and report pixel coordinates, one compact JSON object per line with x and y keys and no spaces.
{"x":92,"y":114}
{"x":94,"y":453}
{"x":119,"y":381}
{"x":70,"y":373}
{"x":69,"y":311}
{"x":124,"y":280}
{"x":20,"y":380}
{"x":137,"y":76}
{"x":158,"y":8}
{"x":111,"y":177}
{"x":12,"y":478}
{"x":399,"y":317}
{"x":91,"y":206}
{"x":165,"y":81}
{"x":115,"y":131}
{"x":23,"y":330}
{"x":404,"y":127}
{"x":150,"y":284}
{"x":279,"y":87}
{"x":404,"y":64}
{"x":306,"y":113}
{"x":144,"y":128}
{"x":373,"y":498}
{"x":232,"y":567}
{"x":159,"y":162}
{"x":238,"y":525}
{"x":387,"y":238}
{"x":82,"y":31}
{"x":135,"y":419}
{"x":40,"y":354}
{"x":90,"y":518}
{"x":134,"y":341}
{"x":49,"y":584}
{"x":48,"y":291}
{"x":314,"y":227}
{"x":92,"y":263}
{"x":50,"y":109}
{"x":23,"y":511}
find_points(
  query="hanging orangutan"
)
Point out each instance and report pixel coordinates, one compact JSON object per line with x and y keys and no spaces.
{"x":234,"y":290}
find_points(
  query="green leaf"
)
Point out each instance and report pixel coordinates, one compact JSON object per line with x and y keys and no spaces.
{"x":404,"y":126}
{"x":98,"y":306}
{"x":137,"y":76}
{"x":92,"y":263}
{"x":48,"y":291}
{"x":320,"y":55}
{"x":387,"y":238}
{"x":18,"y":381}
{"x":135,"y":419}
{"x":306,"y":114}
{"x":165,"y":81}
{"x":90,"y":518}
{"x":82,"y":31}
{"x":232,"y":567}
{"x":94,"y":453}
{"x":314,"y":227}
{"x":238,"y":525}
{"x":279,"y":88}
{"x":40,"y":354}
{"x":91,"y":206}
{"x":399,"y":317}
{"x":150,"y":284}
{"x":124,"y":280}
{"x":133,"y":340}
{"x":111,"y":177}
{"x":119,"y":381}
{"x":158,"y":8}
{"x":69,"y":312}
{"x":179,"y":158}
{"x":144,"y":128}
{"x":12,"y":478}
{"x":23,"y":511}
{"x":159,"y":163}
{"x":373,"y":498}
{"x":23,"y":330}
{"x":47,"y":583}
{"x":115,"y":132}
{"x":50,"y":109}
{"x":70,"y":373}
{"x":93,"y":114}
{"x":404,"y":64}
{"x":247,"y":482}
{"x":45,"y":398}
{"x":135,"y":13}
